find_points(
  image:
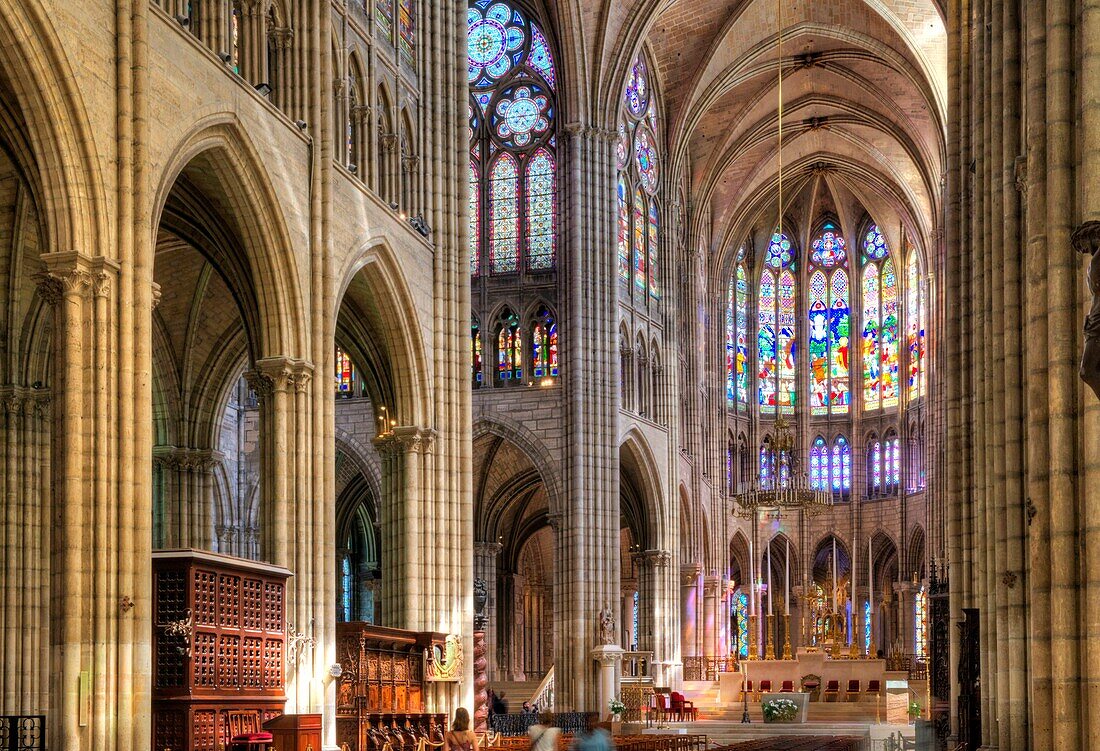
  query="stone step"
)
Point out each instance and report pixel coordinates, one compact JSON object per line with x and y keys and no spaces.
{"x":515,"y":692}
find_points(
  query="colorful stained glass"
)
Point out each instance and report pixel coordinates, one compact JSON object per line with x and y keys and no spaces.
{"x":504,"y":215}
{"x":742,"y":624}
{"x":766,"y":343}
{"x":872,"y":394}
{"x":840,"y":319}
{"x":780,"y":252}
{"x":383,"y":18}
{"x":731,"y":349}
{"x":522,"y":114}
{"x":639,"y":249}
{"x":842,"y":466}
{"x":914,"y":328}
{"x":475,"y":222}
{"x":345,"y":373}
{"x":787,"y":390}
{"x":540,"y":211}
{"x":875,"y":479}
{"x":622,"y":147}
{"x":867,"y":626}
{"x":767,"y":466}
{"x":818,"y":344}
{"x":742,"y":322}
{"x":544,"y":359}
{"x":892,"y":465}
{"x":889,"y":337}
{"x":624,"y":232}
{"x":406,"y":26}
{"x":920,"y":625}
{"x":540,"y":58}
{"x":874,"y":244}
{"x":829,"y":249}
{"x":475,"y":347}
{"x":637,"y":88}
{"x":509,"y":348}
{"x":646,"y":157}
{"x":819,"y":465}
{"x":653,"y":250}
{"x":495,"y":39}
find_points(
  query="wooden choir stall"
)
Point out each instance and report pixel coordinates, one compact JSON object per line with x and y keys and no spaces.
{"x":219,"y":646}
{"x":382,"y":694}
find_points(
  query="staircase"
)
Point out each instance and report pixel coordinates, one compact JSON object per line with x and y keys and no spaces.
{"x":515,"y":692}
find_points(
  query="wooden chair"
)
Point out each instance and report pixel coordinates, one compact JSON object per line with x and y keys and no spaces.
{"x":683,"y":708}
{"x":765,"y":687}
{"x":787,"y":687}
{"x":662,"y":707}
{"x":245,"y":733}
{"x":832,"y":688}
{"x":852,"y":694}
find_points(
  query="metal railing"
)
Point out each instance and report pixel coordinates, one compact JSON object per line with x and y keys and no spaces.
{"x":22,"y":732}
{"x":543,"y":699}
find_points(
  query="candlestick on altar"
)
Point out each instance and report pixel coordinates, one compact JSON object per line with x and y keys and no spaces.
{"x":787,"y":636}
{"x":787,"y":578}
{"x":769,"y":654}
{"x":836,"y":582}
{"x":770,"y":609}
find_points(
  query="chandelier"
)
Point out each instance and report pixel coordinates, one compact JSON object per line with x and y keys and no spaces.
{"x":779,"y":486}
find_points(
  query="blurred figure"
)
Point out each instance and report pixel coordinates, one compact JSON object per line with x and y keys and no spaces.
{"x":593,"y":738}
{"x":544,"y":736}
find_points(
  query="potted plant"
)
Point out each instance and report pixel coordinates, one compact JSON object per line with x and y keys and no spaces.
{"x":617,"y":709}
{"x":914,"y":710}
{"x":779,"y":710}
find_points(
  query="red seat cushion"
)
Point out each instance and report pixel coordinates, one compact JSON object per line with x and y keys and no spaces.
{"x":260,"y":737}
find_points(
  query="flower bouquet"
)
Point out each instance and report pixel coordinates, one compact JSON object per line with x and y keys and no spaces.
{"x":617,"y":708}
{"x":779,"y":710}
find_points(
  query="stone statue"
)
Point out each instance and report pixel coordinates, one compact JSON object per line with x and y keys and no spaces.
{"x":481,"y":599}
{"x":607,"y":626}
{"x":1086,"y":239}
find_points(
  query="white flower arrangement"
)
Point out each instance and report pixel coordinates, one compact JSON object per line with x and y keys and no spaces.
{"x":616,"y":706}
{"x":779,"y":710}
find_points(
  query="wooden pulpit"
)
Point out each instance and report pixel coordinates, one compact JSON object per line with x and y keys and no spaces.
{"x":295,"y":732}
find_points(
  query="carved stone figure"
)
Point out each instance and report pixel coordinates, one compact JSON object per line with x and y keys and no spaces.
{"x":607,"y":626}
{"x":481,"y":599}
{"x":1086,"y":239}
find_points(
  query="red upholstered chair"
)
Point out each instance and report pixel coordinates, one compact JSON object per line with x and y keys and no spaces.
{"x":662,"y":711}
{"x":787,"y":687}
{"x":245,"y":733}
{"x":874,"y":687}
{"x":832,"y":688}
{"x":746,"y":688}
{"x":852,"y":694}
{"x":683,"y":708}
{"x":766,"y":686}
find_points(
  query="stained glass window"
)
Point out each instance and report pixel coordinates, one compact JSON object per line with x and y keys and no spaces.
{"x":637,"y":162}
{"x":345,"y":374}
{"x":819,"y":465}
{"x":742,"y":322}
{"x":475,"y":345}
{"x":731,"y":338}
{"x":347,"y":583}
{"x":841,"y":473}
{"x":544,"y":338}
{"x":880,"y":324}
{"x":383,"y":18}
{"x":504,"y":215}
{"x":914,"y":315}
{"x":742,"y":621}
{"x":640,"y":280}
{"x":874,"y":468}
{"x":636,"y":613}
{"x":920,"y":625}
{"x":509,"y":348}
{"x":475,"y":222}
{"x":777,"y":338}
{"x":652,"y":247}
{"x":512,"y":76}
{"x":829,"y":318}
{"x":407,"y":29}
{"x":891,"y":469}
{"x":624,"y":232}
{"x":867,"y":626}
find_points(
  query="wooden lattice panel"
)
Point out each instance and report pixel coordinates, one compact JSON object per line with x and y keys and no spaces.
{"x":204,"y":652}
{"x":205,"y":598}
{"x":252,"y":614}
{"x":229,"y":601}
{"x":273,"y":607}
{"x":252,"y":662}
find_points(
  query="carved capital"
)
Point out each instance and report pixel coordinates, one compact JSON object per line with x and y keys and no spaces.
{"x":389,"y":142}
{"x":689,"y":574}
{"x":487,"y":549}
{"x":360,"y":112}
{"x":409,"y":163}
{"x":280,"y":37}
{"x":49,"y":289}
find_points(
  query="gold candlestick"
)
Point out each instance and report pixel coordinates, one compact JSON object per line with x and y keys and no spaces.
{"x":770,"y":649}
{"x":752,"y":637}
{"x":787,"y":636}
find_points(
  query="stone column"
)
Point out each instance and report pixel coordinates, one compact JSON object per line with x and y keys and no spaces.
{"x":689,"y":610}
{"x":609,"y":659}
{"x":626,"y":610}
{"x":710,"y":616}
{"x":904,"y":593}
{"x":485,"y":570}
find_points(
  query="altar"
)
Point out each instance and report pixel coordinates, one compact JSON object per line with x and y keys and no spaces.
{"x":813,"y":665}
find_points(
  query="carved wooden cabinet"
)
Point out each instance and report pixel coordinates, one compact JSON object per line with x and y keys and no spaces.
{"x":219,"y":645}
{"x":295,"y":732}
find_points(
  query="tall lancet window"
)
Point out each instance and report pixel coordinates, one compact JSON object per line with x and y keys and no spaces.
{"x":737,"y":336}
{"x":777,"y":339}
{"x":914,"y":323}
{"x":637,"y":162}
{"x":513,"y":156}
{"x":829,"y":318}
{"x":880,"y":324}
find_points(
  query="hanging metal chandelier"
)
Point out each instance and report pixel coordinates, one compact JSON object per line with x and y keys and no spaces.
{"x":780,"y":486}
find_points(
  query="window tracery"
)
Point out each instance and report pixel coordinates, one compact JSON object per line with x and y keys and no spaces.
{"x":637,"y":161}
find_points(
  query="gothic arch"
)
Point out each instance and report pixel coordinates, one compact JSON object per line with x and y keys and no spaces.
{"x":230,"y":182}
{"x":532,"y":448}
{"x":638,"y":466}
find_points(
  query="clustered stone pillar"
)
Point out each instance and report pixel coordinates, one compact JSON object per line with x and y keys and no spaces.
{"x":188,"y":502}
{"x":485,"y":570}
